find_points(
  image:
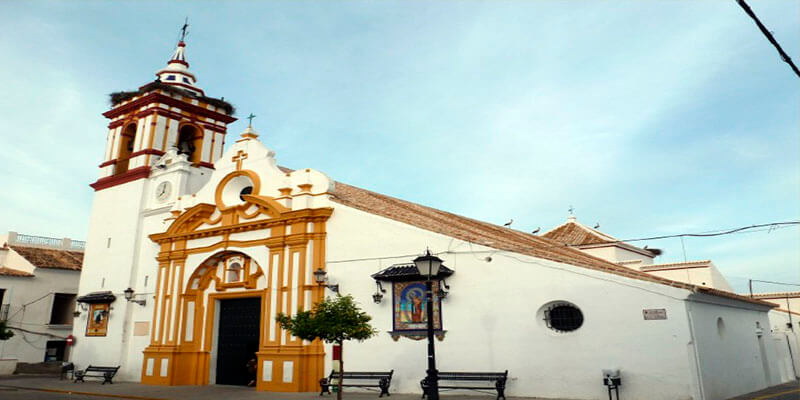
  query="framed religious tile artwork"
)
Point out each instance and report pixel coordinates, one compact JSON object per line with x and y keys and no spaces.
{"x":97,"y":324}
{"x":410,"y":313}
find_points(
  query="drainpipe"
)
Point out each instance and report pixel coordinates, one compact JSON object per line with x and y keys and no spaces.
{"x":791,"y":356}
{"x":694,"y":348}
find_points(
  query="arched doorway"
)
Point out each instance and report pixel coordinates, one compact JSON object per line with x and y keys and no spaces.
{"x":232,"y":286}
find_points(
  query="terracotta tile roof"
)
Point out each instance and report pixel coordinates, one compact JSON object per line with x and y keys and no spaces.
{"x":51,"y":258}
{"x":498,"y":237}
{"x":14,"y":272}
{"x":678,"y":264}
{"x":576,"y":234}
{"x":776,"y":295}
{"x":787,"y":311}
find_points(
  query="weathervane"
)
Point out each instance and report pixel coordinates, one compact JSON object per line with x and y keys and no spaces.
{"x":250,"y":117}
{"x":184,"y":29}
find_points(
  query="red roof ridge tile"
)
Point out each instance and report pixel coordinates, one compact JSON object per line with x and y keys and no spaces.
{"x":5,"y":271}
{"x":675,"y":264}
{"x":776,"y":294}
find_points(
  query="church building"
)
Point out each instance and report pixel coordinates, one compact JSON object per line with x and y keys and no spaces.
{"x":195,"y":246}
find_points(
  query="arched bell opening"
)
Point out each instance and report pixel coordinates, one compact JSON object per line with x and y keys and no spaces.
{"x":127,"y":140}
{"x":190,"y":142}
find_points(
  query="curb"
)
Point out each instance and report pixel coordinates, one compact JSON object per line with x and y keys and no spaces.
{"x":116,"y":396}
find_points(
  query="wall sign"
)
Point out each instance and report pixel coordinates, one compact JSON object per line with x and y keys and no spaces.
{"x":654,"y":313}
{"x":409,"y":306}
{"x":97,"y":324}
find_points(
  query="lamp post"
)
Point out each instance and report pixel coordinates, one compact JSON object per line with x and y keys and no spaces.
{"x":428,"y":266}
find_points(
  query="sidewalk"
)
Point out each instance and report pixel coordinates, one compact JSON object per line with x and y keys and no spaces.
{"x":787,"y":391}
{"x":137,"y":391}
{"x":50,"y":387}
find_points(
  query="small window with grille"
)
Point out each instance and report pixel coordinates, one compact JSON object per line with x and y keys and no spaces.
{"x":563,"y":317}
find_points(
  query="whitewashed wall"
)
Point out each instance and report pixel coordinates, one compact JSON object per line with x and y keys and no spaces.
{"x":36,"y":293}
{"x":733,"y":359}
{"x":492,"y":324}
{"x":107,"y":266}
{"x":709,"y":277}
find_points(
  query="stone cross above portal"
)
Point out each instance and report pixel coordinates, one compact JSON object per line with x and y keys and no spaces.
{"x":238,"y":158}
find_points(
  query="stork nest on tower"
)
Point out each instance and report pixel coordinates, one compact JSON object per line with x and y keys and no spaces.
{"x":119,"y":97}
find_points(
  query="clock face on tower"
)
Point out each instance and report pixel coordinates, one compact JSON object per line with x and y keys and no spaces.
{"x":163,"y":190}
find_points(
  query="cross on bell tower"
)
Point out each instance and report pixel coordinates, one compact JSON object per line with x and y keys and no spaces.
{"x":184,"y":29}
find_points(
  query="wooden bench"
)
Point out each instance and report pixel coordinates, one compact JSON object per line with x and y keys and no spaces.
{"x":384,"y":379}
{"x":498,"y":380}
{"x":94,"y":371}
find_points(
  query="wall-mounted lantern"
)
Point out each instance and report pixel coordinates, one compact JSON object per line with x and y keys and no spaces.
{"x":129,"y":296}
{"x":378,"y":296}
{"x":321,"y":277}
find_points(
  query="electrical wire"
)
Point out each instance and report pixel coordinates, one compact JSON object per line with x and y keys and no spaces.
{"x":746,"y":229}
{"x":22,"y":307}
{"x":774,"y":225}
{"x":769,"y":36}
{"x":776,"y":283}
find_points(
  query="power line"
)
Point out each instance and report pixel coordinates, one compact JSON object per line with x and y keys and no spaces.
{"x":773,"y":225}
{"x":769,"y":36}
{"x":746,"y":229}
{"x":775,"y":283}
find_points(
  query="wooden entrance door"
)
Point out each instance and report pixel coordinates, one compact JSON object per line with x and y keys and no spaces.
{"x":237,"y":340}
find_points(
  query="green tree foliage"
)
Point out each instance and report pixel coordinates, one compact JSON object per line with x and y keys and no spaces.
{"x":333,"y":320}
{"x":5,"y":333}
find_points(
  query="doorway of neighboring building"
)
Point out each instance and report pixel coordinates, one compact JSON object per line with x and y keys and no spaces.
{"x":237,"y":339}
{"x":55,"y":350}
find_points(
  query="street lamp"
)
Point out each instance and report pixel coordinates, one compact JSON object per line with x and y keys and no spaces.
{"x":428,"y":266}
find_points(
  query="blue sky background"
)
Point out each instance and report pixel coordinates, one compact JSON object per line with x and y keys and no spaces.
{"x":649,"y":117}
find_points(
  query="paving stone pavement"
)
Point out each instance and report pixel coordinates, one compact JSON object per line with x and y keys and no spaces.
{"x":787,"y":391}
{"x":32,"y":387}
{"x":16,"y":387}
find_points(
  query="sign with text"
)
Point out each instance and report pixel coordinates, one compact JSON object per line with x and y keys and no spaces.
{"x":654,"y":313}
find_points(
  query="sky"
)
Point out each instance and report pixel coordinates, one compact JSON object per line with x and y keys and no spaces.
{"x":648,"y":117}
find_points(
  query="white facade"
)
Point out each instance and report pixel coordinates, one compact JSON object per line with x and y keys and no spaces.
{"x":701,"y":273}
{"x":29,"y":295}
{"x":492,"y":315}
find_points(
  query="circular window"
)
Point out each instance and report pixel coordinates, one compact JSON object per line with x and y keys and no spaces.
{"x":247,"y":190}
{"x":562,"y":316}
{"x":233,"y":189}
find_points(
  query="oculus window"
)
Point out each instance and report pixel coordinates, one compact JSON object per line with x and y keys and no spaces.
{"x":562,"y":316}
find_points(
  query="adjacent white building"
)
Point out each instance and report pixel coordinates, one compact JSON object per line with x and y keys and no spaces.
{"x":213,"y":245}
{"x":591,"y":241}
{"x":38,"y":286}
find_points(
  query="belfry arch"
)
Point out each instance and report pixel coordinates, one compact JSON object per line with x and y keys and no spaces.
{"x":127,"y":140}
{"x":213,"y":254}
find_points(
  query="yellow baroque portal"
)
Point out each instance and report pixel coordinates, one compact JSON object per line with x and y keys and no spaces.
{"x":263,"y":252}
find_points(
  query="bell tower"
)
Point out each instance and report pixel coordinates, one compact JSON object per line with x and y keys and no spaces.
{"x":171,"y":111}
{"x":163,"y":140}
